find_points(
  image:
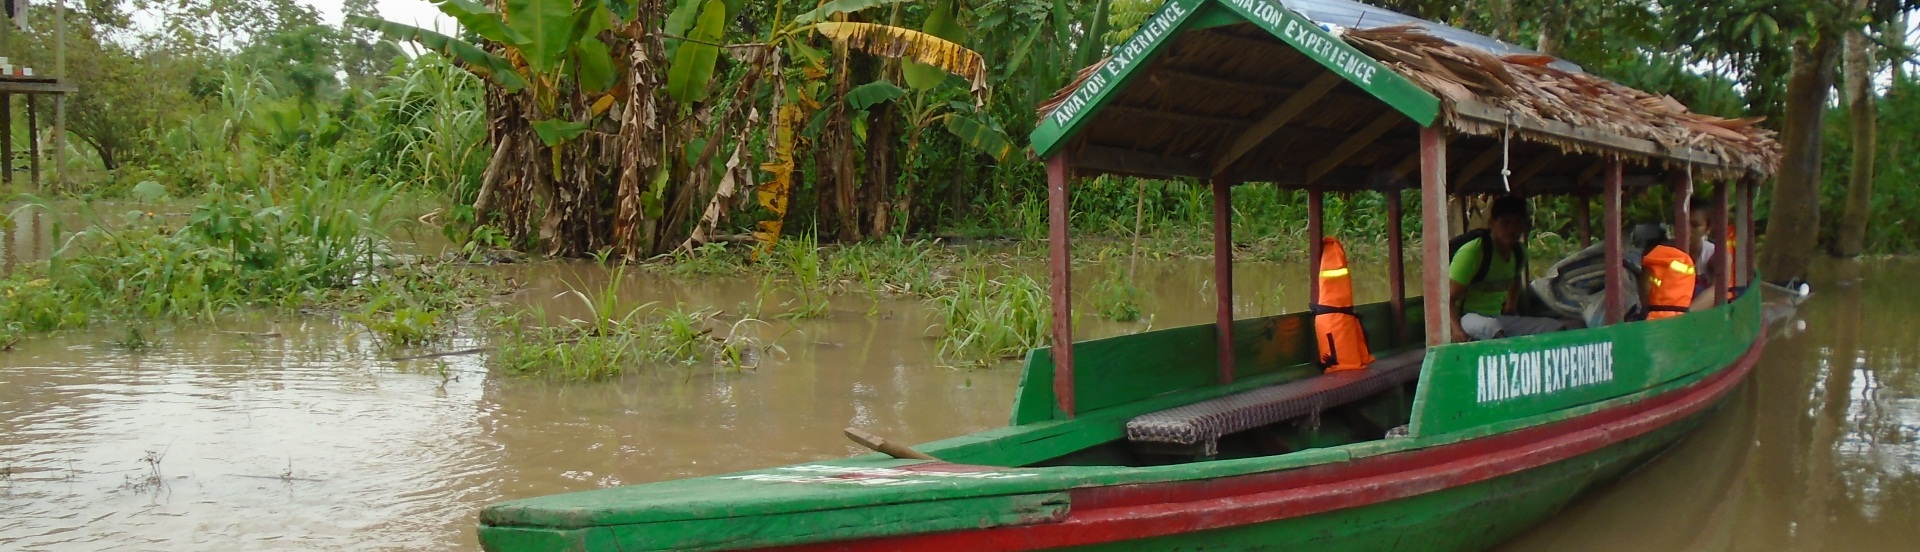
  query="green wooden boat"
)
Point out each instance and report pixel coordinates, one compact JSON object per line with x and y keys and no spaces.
{"x":1229,"y":436}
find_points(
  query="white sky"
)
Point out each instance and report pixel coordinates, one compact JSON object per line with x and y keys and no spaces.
{"x":419,"y":13}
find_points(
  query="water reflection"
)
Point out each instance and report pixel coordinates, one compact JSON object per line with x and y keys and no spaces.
{"x":22,"y":238}
{"x":1820,"y":451}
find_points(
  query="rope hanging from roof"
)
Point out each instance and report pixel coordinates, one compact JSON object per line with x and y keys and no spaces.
{"x":1506,"y":155}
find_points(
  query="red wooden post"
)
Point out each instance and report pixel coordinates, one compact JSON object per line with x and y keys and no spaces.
{"x":1396,"y":266}
{"x":1060,"y":259}
{"x":1433,"y":243}
{"x":1717,"y":233}
{"x":1682,"y":213}
{"x":1223,"y":274}
{"x":1316,"y":229}
{"x":1749,"y":241}
{"x":1583,"y":219}
{"x":1616,"y":274}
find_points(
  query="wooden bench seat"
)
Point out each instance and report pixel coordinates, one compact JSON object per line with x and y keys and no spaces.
{"x":1198,"y":427}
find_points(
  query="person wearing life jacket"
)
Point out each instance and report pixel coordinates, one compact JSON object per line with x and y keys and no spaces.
{"x":1486,"y":274}
{"x":1342,"y":341}
{"x":1667,"y":274}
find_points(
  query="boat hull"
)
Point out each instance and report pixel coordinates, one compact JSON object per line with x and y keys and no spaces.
{"x":1470,"y":496}
{"x":1463,"y":495}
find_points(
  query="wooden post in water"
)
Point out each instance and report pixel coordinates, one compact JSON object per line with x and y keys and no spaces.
{"x":1616,"y":274}
{"x":6,"y":139}
{"x":33,"y":142}
{"x":1060,"y":261}
{"x":1683,"y":213}
{"x":1223,"y":274}
{"x":1717,"y":233}
{"x":1433,"y":244}
{"x":1316,"y":233}
{"x":1396,"y":266}
{"x":60,"y":99}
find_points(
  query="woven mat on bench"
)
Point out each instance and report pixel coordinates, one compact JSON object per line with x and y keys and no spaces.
{"x":1204,"y":422}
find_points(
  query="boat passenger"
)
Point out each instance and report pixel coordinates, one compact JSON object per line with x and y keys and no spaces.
{"x":1486,"y":301}
{"x":1702,"y":249}
{"x":1667,"y":274}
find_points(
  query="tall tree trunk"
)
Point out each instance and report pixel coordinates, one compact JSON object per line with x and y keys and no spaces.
{"x":1897,"y":35}
{"x":106,"y":159}
{"x":639,"y":142}
{"x":1792,"y":238}
{"x":1502,"y":13}
{"x":877,"y":193}
{"x":1555,"y":22}
{"x":1863,"y":119}
{"x":842,"y":211}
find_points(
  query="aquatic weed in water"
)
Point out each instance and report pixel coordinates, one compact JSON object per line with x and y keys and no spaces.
{"x":988,"y":319}
{"x":799,"y":260}
{"x":1117,"y":299}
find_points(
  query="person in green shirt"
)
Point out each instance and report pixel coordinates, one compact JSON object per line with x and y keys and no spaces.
{"x":1483,"y":309}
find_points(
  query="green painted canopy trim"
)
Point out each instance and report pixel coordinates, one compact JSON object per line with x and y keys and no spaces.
{"x":1177,"y":16}
{"x":1343,"y":59}
{"x":1121,"y":66}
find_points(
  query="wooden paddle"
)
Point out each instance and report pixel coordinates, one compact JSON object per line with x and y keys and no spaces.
{"x":884,"y":446}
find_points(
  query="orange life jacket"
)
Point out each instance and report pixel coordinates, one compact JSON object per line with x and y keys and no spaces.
{"x":1343,"y":343}
{"x":1670,"y":273}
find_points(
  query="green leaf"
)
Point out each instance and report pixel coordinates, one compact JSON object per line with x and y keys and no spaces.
{"x":941,"y":23}
{"x":825,"y":11}
{"x":546,"y":25}
{"x":471,"y":58}
{"x":1019,"y":56}
{"x":679,"y":21}
{"x":980,"y":136}
{"x":873,"y":93}
{"x":692,"y":66}
{"x":589,"y":20}
{"x":596,"y":66}
{"x":482,"y":20}
{"x":811,"y":55}
{"x":622,"y":9}
{"x":554,"y":132}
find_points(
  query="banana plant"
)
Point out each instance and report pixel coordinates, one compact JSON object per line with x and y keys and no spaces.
{"x":543,"y":42}
{"x":929,"y":55}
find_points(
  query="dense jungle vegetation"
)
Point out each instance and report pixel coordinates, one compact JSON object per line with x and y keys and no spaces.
{"x":681,"y":131}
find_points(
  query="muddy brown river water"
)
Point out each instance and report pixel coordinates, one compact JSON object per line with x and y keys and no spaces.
{"x":311,"y":440}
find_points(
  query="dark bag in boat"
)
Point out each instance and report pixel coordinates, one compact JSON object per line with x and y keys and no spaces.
{"x":1486,"y":253}
{"x":1576,"y":286}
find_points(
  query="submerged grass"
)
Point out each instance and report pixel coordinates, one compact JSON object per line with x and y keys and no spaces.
{"x":317,"y":245}
{"x":991,"y":318}
{"x":619,"y":338}
{"x":1116,"y":298}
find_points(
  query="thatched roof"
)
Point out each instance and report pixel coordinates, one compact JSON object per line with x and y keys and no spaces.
{"x":1236,"y":101}
{"x":1538,"y":93}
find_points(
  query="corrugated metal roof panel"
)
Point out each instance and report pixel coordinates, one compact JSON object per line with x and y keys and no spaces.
{"x":1356,"y":15}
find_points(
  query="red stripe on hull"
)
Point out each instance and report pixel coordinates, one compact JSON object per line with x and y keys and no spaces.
{"x":1128,"y":512}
